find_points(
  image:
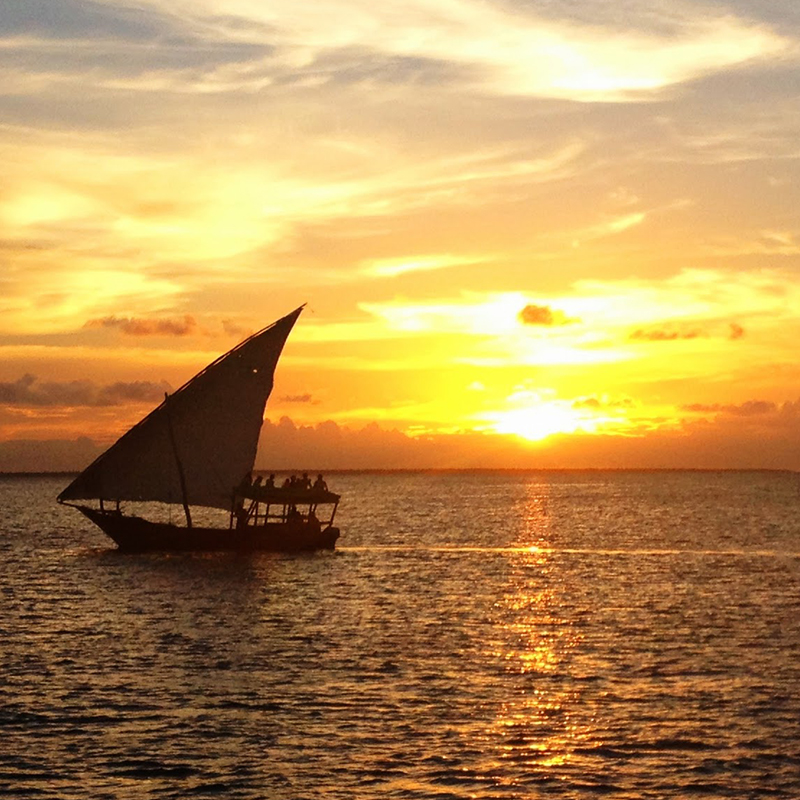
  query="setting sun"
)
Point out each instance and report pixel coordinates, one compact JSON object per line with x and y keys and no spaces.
{"x":543,"y":419}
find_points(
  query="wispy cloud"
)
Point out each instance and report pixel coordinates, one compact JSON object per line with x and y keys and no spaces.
{"x":512,"y":51}
{"x":205,"y":46}
{"x":392,"y":267}
{"x":184,"y":326}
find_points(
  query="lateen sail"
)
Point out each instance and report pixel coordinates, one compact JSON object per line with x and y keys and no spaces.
{"x":215,"y":418}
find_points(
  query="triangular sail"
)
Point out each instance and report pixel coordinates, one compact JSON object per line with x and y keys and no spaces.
{"x":215,"y":419}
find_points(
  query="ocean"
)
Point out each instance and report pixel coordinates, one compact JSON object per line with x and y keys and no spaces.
{"x":474,"y":635}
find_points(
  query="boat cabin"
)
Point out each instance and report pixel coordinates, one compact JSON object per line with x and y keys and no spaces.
{"x":257,"y":506}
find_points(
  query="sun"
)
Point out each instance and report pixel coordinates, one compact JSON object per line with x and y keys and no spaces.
{"x":540,"y":421}
{"x":536,"y":417}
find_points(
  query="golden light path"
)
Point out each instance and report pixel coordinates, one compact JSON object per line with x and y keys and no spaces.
{"x":536,"y":640}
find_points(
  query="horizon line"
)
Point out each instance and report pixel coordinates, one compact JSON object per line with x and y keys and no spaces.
{"x":439,"y":470}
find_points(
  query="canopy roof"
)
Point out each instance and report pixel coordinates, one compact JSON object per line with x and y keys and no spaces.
{"x":289,"y":494}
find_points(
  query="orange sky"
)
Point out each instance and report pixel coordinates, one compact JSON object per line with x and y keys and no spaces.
{"x":529,"y":234}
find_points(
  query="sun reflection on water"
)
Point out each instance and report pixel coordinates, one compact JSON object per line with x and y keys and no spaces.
{"x":536,"y":725}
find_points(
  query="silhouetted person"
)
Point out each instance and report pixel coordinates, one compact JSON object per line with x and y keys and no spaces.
{"x":320,"y":485}
{"x":241,"y":518}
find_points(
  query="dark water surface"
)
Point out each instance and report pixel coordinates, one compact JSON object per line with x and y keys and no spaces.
{"x":627,"y":635}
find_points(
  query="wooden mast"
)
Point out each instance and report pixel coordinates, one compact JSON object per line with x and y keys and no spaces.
{"x":178,"y":464}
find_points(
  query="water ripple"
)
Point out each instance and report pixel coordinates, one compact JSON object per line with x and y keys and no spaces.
{"x":494,"y":636}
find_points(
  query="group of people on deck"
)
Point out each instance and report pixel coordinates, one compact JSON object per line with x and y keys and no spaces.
{"x":302,"y":482}
{"x":292,"y":482}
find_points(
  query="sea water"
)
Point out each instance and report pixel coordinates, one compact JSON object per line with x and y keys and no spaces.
{"x":498,"y":635}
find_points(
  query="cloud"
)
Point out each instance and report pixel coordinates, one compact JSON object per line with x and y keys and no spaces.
{"x":588,"y":402}
{"x":122,"y":393}
{"x":730,"y":442}
{"x":55,"y":45}
{"x":131,"y":326}
{"x":542,"y":315}
{"x":77,"y":18}
{"x":27,"y":391}
{"x":297,"y":398}
{"x":392,"y":267}
{"x":514,"y":49}
{"x":610,"y":227}
{"x":749,"y":408}
{"x":596,"y":403}
{"x":733,"y":332}
{"x":768,"y":440}
{"x":497,"y":48}
{"x":662,"y":335}
{"x":285,"y":445}
{"x":232,"y":328}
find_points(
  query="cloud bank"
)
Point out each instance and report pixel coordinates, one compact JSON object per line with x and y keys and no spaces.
{"x":752,"y":435}
{"x":28,"y":391}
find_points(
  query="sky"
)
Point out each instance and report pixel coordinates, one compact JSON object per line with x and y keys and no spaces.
{"x":529,"y":233}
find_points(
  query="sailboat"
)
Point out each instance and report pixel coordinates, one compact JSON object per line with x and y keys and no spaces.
{"x":198,"y":448}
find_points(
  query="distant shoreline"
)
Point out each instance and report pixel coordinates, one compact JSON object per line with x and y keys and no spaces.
{"x":451,"y":471}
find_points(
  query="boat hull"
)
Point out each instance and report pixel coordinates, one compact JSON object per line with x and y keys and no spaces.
{"x":138,"y":535}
